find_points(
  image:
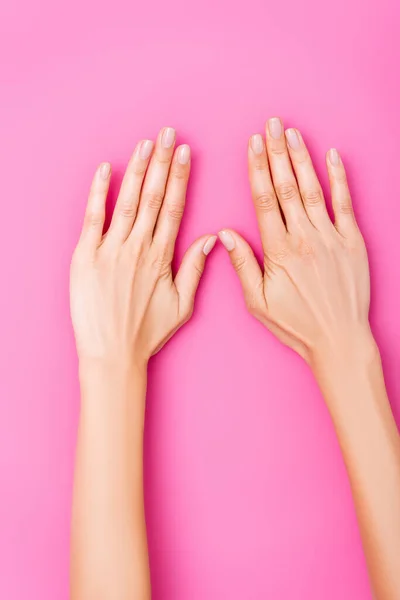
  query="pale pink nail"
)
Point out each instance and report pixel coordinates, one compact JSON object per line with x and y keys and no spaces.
{"x":146,"y":148}
{"x":105,"y":170}
{"x":168,"y":137}
{"x":257,"y":143}
{"x":184,"y":154}
{"x":292,"y":139}
{"x":227,"y":240}
{"x":275,"y":128}
{"x":209,"y":245}
{"x":334,"y":157}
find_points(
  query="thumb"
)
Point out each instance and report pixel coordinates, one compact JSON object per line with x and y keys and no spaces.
{"x":247,"y":269}
{"x":188,"y":277}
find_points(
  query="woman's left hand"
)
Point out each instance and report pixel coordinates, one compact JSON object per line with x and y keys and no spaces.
{"x":125,"y":303}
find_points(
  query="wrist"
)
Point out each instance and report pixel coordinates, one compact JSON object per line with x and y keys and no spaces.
{"x":351,"y":376}
{"x":351,"y":351}
{"x":111,"y":378}
{"x":114,"y":367}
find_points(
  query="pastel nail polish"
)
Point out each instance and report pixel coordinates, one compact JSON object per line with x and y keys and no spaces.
{"x":209,"y":245}
{"x":292,"y":139}
{"x":168,"y":137}
{"x":257,"y":143}
{"x":146,"y":149}
{"x":275,"y":128}
{"x":227,"y":240}
{"x":334,"y":157}
{"x":105,"y":170}
{"x":184,"y":154}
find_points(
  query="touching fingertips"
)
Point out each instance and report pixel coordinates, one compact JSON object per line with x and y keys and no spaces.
{"x":334,"y":157}
{"x":275,"y":128}
{"x":105,"y":170}
{"x":146,"y":148}
{"x":293,"y":139}
{"x":209,"y":245}
{"x":183,"y":154}
{"x":257,"y":144}
{"x":227,"y":240}
{"x":168,"y":137}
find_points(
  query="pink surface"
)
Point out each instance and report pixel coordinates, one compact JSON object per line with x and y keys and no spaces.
{"x":247,"y":496}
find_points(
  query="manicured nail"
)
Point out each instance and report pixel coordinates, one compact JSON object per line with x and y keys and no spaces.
{"x":105,"y":170}
{"x":209,"y":245}
{"x":334,"y":157}
{"x":292,"y":139}
{"x":168,"y":137}
{"x":184,"y":154}
{"x":257,"y":143}
{"x":275,"y":128}
{"x":227,"y":240}
{"x":146,"y":148}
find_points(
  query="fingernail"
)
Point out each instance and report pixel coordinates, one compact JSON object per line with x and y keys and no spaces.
{"x":168,"y":137}
{"x":275,"y":128}
{"x":209,"y":245}
{"x":257,"y":143}
{"x":105,"y":170}
{"x":146,"y":149}
{"x":292,"y":139}
{"x":334,"y":157}
{"x":227,"y":240}
{"x":184,"y":154}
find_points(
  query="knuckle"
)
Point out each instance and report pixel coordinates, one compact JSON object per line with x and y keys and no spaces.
{"x":286,"y":192}
{"x":139,"y":168}
{"x":265,"y":202}
{"x":260,"y":164}
{"x":276,"y":256}
{"x":198,"y":269}
{"x":340,"y":177}
{"x":175,"y":211}
{"x":179,"y":172}
{"x":128,"y":211}
{"x":301,"y":158}
{"x":154,"y":200}
{"x":345,"y":207}
{"x":162,"y":159}
{"x":312,"y":197}
{"x":305,"y":249}
{"x":94,"y":219}
{"x":239,"y":262}
{"x":160,"y":265}
{"x":277,"y":150}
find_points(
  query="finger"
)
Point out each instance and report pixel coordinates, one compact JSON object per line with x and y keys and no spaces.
{"x":270,"y":222}
{"x":345,"y":221}
{"x":283,"y":178}
{"x":128,"y":199}
{"x":308,"y":183}
{"x":153,"y":190}
{"x":92,"y":230}
{"x":171,"y":213}
{"x":247,"y":268}
{"x":188,"y":277}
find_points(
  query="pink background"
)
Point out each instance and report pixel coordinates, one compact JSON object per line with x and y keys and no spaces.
{"x":247,"y":496}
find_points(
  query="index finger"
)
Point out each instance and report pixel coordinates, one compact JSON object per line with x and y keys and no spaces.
{"x":270,"y":222}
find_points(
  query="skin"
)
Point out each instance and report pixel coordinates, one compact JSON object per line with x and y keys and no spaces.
{"x":125,"y":304}
{"x":313,"y":294}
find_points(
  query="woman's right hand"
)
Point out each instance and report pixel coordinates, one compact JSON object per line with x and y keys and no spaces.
{"x":314,"y":291}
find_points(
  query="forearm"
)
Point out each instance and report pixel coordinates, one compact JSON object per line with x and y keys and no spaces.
{"x":354,"y":389}
{"x":109,"y":547}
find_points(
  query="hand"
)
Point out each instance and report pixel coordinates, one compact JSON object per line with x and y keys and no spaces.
{"x":314,"y":292}
{"x":125,"y":303}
